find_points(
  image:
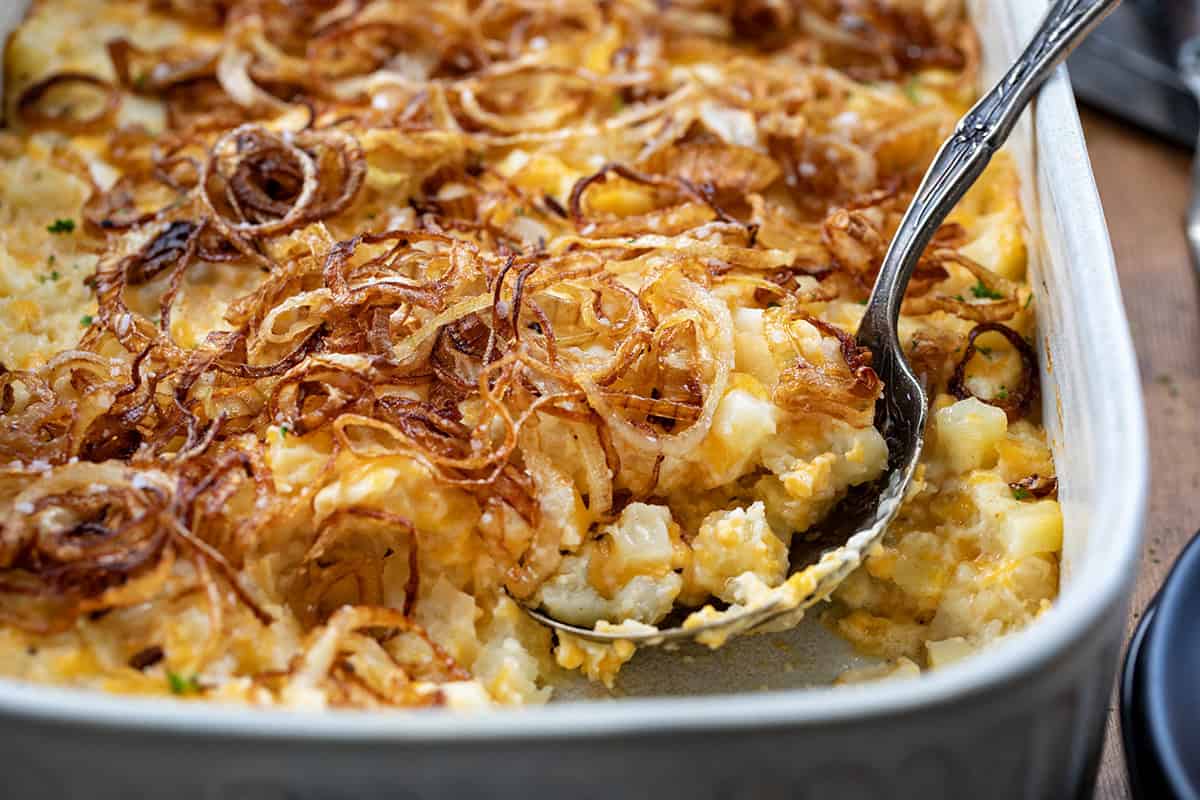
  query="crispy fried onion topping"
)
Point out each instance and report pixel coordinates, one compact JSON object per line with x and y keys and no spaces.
{"x":1036,"y":486}
{"x":1016,"y":401}
{"x":257,"y":183}
{"x":847,"y":392}
{"x":69,"y":102}
{"x":83,"y":538}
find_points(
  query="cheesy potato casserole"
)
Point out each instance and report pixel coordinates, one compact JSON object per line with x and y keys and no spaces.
{"x":333,"y":332}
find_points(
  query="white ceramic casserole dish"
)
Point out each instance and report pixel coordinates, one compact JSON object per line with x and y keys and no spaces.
{"x":1023,"y":720}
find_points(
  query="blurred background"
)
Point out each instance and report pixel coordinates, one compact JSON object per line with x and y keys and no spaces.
{"x":1141,"y":122}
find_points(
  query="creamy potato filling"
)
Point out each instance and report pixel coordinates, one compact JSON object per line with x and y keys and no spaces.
{"x":334,"y":332}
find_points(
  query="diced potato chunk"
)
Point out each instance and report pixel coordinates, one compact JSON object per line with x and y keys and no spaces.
{"x":753,"y":351}
{"x":449,"y":615}
{"x":570,"y":597}
{"x":641,"y":540}
{"x":508,"y":665}
{"x":991,"y":213}
{"x":947,"y":651}
{"x":999,"y":246}
{"x":745,"y":420}
{"x":731,"y":543}
{"x":632,"y":578}
{"x":968,"y":433}
{"x":1030,"y":528}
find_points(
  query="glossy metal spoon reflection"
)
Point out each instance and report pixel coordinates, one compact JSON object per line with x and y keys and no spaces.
{"x":901,"y":413}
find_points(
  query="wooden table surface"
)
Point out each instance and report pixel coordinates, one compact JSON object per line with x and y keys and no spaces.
{"x":1145,"y":186}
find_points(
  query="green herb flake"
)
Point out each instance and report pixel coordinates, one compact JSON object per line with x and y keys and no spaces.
{"x":1029,"y":300}
{"x":986,"y":351}
{"x":181,"y":685}
{"x":50,"y":261}
{"x":142,"y":79}
{"x":960,"y":298}
{"x":982,"y":291}
{"x":1021,"y":494}
{"x":284,"y":430}
{"x":912,"y":90}
{"x":1002,"y":394}
{"x":54,"y":275}
{"x":520,"y":212}
{"x":62,"y":226}
{"x":86,"y":320}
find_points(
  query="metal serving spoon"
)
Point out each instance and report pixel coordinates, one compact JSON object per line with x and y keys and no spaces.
{"x":860,"y":521}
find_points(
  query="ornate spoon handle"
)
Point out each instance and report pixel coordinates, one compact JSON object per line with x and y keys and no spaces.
{"x":965,"y":155}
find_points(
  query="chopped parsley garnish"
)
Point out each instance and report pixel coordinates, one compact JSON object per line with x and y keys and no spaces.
{"x":1021,"y":494}
{"x":181,"y":685}
{"x":54,"y":275}
{"x":911,"y":88}
{"x":1002,"y":394}
{"x":1028,"y":300}
{"x":982,"y":291}
{"x":62,"y":226}
{"x":960,"y":298}
{"x":284,"y":430}
{"x":987,"y":351}
{"x":85,"y":320}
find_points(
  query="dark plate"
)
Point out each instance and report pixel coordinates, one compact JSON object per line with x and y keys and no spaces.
{"x":1160,"y":689}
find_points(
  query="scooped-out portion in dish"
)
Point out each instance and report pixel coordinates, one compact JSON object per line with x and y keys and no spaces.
{"x":333,"y":332}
